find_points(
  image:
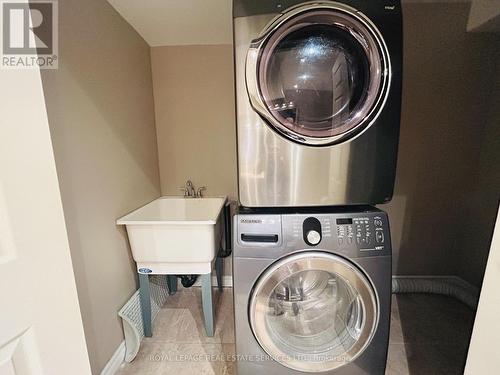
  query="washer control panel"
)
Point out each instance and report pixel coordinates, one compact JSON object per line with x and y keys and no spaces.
{"x":362,"y":233}
{"x":365,"y":232}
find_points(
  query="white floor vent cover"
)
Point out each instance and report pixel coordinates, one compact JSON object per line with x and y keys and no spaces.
{"x":132,"y":317}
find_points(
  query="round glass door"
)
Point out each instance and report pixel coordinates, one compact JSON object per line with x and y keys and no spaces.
{"x":319,"y":73}
{"x":313,"y":311}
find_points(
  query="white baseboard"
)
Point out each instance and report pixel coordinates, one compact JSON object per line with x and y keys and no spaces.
{"x":227,"y":281}
{"x":115,"y":361}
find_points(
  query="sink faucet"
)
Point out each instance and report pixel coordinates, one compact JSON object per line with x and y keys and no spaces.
{"x":190,"y":191}
{"x":199,"y":191}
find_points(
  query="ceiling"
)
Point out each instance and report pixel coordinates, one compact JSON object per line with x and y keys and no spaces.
{"x":193,"y":22}
{"x":178,"y":22}
{"x":484,"y":16}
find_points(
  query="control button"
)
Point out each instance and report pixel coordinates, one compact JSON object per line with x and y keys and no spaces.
{"x":378,"y":222}
{"x":313,"y":237}
{"x":341,"y":240}
{"x":379,"y":236}
{"x":349,"y":240}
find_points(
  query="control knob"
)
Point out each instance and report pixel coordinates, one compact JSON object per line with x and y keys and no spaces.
{"x":313,"y":237}
{"x":311,"y":228}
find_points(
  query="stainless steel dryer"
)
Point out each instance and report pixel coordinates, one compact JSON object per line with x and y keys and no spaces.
{"x":312,"y":291}
{"x":318,"y":88}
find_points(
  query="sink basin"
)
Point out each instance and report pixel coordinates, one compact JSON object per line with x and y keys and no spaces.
{"x":175,"y":235}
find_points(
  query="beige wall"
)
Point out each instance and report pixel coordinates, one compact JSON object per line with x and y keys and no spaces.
{"x":101,"y":115}
{"x":480,"y":211}
{"x":194,"y":103}
{"x":446,"y":93}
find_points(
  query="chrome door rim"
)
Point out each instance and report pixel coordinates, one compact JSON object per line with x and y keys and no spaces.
{"x":303,"y":261}
{"x":253,"y":72}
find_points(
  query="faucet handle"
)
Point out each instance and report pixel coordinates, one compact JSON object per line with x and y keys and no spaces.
{"x":184,"y":190}
{"x":200,"y":190}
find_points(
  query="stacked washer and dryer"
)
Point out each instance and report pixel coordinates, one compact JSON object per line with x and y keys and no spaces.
{"x":318,"y":88}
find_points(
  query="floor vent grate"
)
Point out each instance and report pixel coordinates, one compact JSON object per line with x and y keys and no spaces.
{"x":132,"y":316}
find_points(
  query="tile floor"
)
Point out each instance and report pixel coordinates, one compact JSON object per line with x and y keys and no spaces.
{"x":429,"y":335}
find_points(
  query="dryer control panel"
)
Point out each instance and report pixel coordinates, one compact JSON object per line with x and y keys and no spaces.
{"x":354,"y":234}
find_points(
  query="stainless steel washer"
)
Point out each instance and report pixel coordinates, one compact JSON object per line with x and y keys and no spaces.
{"x":318,"y":88}
{"x":312,"y":291}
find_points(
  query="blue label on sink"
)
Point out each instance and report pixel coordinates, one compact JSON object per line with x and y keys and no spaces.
{"x":145,"y":270}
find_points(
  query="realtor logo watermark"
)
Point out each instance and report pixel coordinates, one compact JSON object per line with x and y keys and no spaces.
{"x":29,"y":34}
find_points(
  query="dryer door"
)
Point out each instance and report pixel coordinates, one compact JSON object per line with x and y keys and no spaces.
{"x":319,"y":74}
{"x":313,"y":311}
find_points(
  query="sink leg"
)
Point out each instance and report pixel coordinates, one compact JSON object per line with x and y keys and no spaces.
{"x":145,"y":294}
{"x":208,"y":307}
{"x":219,"y":271}
{"x":172,"y":284}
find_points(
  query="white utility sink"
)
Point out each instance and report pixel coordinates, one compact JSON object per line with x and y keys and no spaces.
{"x":175,"y":235}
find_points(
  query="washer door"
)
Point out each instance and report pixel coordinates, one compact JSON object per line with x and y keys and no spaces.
{"x":319,"y":73}
{"x":313,"y":311}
